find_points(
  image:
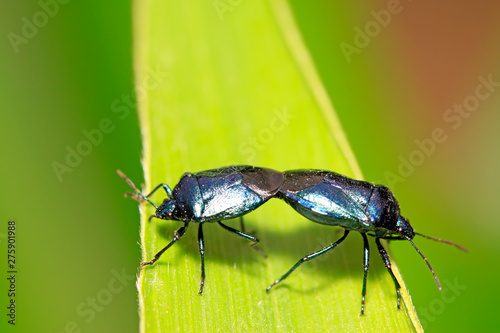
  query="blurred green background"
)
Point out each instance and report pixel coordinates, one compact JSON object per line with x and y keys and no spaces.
{"x":71,"y":76}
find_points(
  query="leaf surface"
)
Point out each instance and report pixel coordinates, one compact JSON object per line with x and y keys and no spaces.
{"x":231,"y":82}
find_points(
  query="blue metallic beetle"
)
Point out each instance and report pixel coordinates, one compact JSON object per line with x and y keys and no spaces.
{"x":329,"y":198}
{"x":212,"y":196}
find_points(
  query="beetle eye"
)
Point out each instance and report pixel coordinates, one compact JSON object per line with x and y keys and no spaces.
{"x":401,"y":231}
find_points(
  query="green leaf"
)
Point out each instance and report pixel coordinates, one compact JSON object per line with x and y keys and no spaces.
{"x":231,"y":82}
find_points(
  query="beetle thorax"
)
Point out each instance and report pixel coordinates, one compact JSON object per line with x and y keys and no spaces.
{"x":383,"y":210}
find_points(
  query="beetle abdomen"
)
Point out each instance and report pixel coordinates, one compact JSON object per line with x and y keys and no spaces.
{"x":328,"y":198}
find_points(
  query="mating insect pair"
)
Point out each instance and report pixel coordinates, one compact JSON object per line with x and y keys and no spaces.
{"x":322,"y":196}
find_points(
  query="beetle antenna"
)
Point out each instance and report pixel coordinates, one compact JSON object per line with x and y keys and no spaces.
{"x":444,"y":241}
{"x":428,"y":264}
{"x":131,"y":184}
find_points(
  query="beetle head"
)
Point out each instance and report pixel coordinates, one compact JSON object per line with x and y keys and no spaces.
{"x":404,"y":228}
{"x":405,"y":232}
{"x":165,"y":210}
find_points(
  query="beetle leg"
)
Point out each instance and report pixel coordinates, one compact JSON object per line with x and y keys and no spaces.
{"x":201,"y":246}
{"x":242,"y":225}
{"x":366,"y":266}
{"x":387,"y":262}
{"x":307,"y":258}
{"x":165,"y":187}
{"x":254,"y":240}
{"x":177,"y":235}
{"x":140,"y":199}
